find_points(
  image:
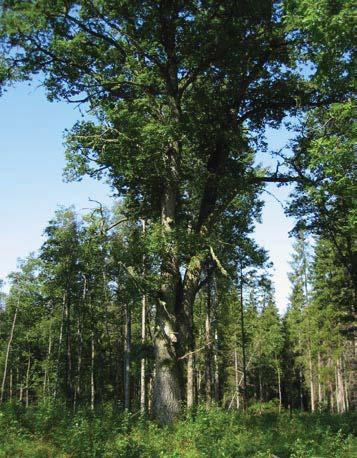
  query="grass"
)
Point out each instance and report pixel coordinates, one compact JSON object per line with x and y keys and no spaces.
{"x":49,"y":431}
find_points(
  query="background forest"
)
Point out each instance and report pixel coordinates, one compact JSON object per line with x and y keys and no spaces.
{"x":150,"y":329}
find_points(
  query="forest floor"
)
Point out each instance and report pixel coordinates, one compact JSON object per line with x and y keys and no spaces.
{"x":40,"y":432}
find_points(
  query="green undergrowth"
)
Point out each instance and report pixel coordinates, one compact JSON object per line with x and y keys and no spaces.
{"x":50,"y":431}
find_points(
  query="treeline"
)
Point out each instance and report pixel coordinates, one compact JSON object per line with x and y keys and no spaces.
{"x":78,"y":325}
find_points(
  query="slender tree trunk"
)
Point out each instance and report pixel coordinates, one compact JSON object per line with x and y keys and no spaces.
{"x":49,"y":349}
{"x":312,"y":385}
{"x":186,"y":325}
{"x":127,"y":351}
{"x":68,"y":376}
{"x":190,"y":394}
{"x":236,"y":377}
{"x":242,"y":328}
{"x":352,"y":363}
{"x":208,"y":348}
{"x":92,"y":377}
{"x":77,"y":392}
{"x":301,"y":394}
{"x":199,"y":383}
{"x":60,"y":338}
{"x":190,"y":380}
{"x":143,"y":340}
{"x":345,"y":385}
{"x":27,"y":381}
{"x":143,"y":359}
{"x":188,"y":304}
{"x":340,"y":392}
{"x":8,"y":349}
{"x":319,"y":384}
{"x":216,"y":368}
{"x":279,"y":385}
{"x":332,"y":399}
{"x":150,"y":391}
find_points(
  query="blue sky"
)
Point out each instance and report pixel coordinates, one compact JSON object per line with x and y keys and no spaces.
{"x":31,"y":185}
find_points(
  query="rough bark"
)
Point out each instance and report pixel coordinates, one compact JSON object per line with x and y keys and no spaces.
{"x":168,"y":375}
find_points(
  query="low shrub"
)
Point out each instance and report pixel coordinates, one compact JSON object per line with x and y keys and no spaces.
{"x":52,"y":431}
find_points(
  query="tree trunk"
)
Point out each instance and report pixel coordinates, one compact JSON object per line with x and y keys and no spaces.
{"x":242,"y":328}
{"x":279,"y":386}
{"x":187,"y":327}
{"x":199,"y":383}
{"x":301,"y":394}
{"x":77,"y":390}
{"x":312,"y":385}
{"x":340,"y":391}
{"x":27,"y":381}
{"x":77,"y":393}
{"x":352,"y":363}
{"x":8,"y":349}
{"x":60,"y":338}
{"x":143,"y":340}
{"x":92,"y":378}
{"x":319,"y":384}
{"x":216,"y":368}
{"x":186,"y":345}
{"x":167,"y":388}
{"x":49,"y":349}
{"x":127,"y":351}
{"x":208,"y":348}
{"x":190,"y":380}
{"x":167,"y":391}
{"x":68,"y":375}
{"x":143,"y":359}
{"x":150,"y":391}
{"x":236,"y":377}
